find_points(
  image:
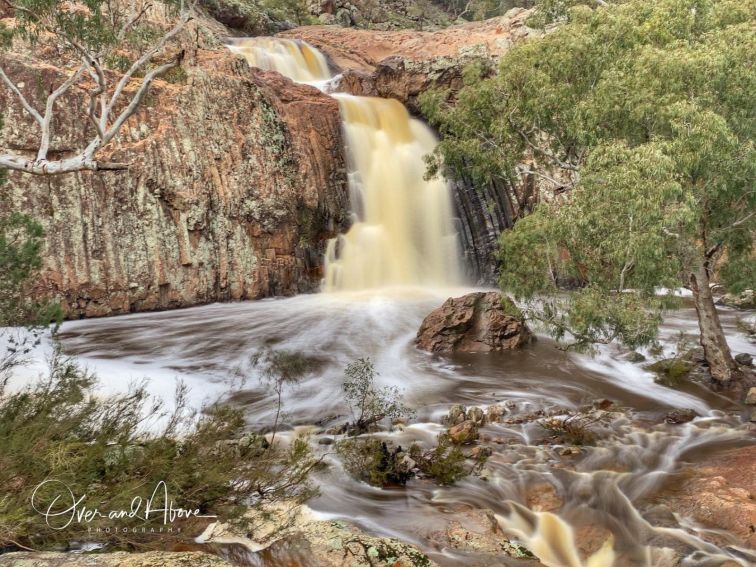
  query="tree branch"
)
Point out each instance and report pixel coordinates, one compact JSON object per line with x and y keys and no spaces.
{"x":138,"y":15}
{"x":44,"y":144}
{"x":741,"y":220}
{"x":97,"y":74}
{"x":542,"y":151}
{"x":69,"y":165}
{"x":25,"y":103}
{"x":138,"y":97}
{"x":556,"y":182}
{"x":145,"y":58}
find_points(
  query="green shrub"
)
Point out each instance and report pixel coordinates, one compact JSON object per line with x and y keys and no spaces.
{"x":374,"y":461}
{"x":20,"y":246}
{"x":444,"y":463}
{"x":368,"y":403}
{"x":574,"y":429}
{"x":111,"y":449}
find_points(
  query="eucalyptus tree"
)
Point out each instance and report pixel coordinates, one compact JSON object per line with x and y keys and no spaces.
{"x":107,"y":49}
{"x":639,"y":119}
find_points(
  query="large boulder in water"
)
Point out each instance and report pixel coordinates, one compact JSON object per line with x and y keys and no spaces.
{"x":476,"y":322}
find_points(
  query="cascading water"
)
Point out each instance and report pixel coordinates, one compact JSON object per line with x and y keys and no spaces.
{"x":403,"y":234}
{"x":294,"y":59}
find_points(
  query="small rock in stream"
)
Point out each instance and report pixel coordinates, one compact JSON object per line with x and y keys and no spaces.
{"x":677,"y":416}
{"x":744,"y":359}
{"x":464,"y":433}
{"x":750,"y":399}
{"x":635,"y":356}
{"x":457,"y":414}
{"x":604,"y":404}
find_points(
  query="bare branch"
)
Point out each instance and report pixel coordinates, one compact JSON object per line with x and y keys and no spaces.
{"x":138,"y":97}
{"x":742,"y":220}
{"x":135,"y":17}
{"x":97,"y":74}
{"x":82,"y":162}
{"x":540,"y":150}
{"x":556,"y":182}
{"x":102,"y":99}
{"x":668,"y":232}
{"x":25,"y":103}
{"x":44,"y":144}
{"x":146,"y":57}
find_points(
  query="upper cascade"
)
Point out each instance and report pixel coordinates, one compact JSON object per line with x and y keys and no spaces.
{"x":294,"y":59}
{"x":403,"y":232}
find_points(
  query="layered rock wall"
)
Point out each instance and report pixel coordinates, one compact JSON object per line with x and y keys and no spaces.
{"x":237,"y":181}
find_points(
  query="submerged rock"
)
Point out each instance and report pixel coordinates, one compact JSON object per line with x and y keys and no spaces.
{"x":719,"y":494}
{"x":476,"y":531}
{"x":744,"y":300}
{"x":680,"y":416}
{"x":635,"y":356}
{"x":477,"y":322}
{"x":750,"y":398}
{"x":671,"y":371}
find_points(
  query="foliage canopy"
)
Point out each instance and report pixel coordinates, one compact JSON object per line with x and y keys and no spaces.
{"x":638,"y":119}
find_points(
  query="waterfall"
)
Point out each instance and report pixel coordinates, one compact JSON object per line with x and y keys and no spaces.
{"x":294,"y":59}
{"x":403,"y":231}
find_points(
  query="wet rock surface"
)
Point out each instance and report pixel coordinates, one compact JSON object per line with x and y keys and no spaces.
{"x":464,"y":433}
{"x":743,"y":300}
{"x":402,"y":64}
{"x":474,"y":323}
{"x":719,"y":493}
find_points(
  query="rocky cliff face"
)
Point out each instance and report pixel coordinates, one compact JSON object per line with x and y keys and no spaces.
{"x":237,"y":182}
{"x":402,"y":64}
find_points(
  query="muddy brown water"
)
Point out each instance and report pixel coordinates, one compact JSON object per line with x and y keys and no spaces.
{"x":608,"y":485}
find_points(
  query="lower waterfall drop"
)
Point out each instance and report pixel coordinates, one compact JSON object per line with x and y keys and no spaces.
{"x":403,"y":233}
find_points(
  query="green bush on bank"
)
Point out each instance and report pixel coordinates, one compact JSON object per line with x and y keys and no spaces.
{"x":112,"y":450}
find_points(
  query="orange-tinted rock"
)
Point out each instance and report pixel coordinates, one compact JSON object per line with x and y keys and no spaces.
{"x":464,"y":433}
{"x":236,"y":183}
{"x":402,"y":64}
{"x":543,"y":497}
{"x":719,"y":493}
{"x":477,"y":322}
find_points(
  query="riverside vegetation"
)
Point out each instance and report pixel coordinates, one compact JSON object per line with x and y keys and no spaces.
{"x":111,"y":449}
{"x":639,"y":119}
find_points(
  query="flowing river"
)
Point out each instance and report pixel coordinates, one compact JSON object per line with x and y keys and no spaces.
{"x":398,"y":262}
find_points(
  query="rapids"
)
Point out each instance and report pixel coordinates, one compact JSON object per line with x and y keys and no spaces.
{"x":612,"y":484}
